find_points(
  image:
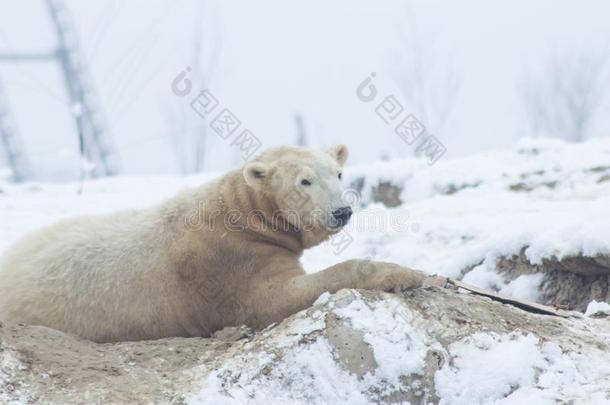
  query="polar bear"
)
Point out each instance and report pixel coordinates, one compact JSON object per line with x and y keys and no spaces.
{"x":223,"y":254}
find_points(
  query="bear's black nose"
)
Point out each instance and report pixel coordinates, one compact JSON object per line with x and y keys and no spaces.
{"x":342,"y":215}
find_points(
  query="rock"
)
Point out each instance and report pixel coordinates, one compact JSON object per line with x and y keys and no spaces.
{"x":604,"y":178}
{"x":570,"y":282}
{"x":453,"y":188}
{"x":387,"y":193}
{"x":424,"y":346}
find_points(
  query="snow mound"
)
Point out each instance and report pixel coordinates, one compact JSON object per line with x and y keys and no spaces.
{"x":358,"y":347}
{"x":503,"y":220}
{"x":550,"y":167}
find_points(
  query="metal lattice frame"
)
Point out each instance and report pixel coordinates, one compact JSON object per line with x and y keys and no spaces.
{"x":97,"y":142}
{"x":94,"y":139}
{"x":11,"y":141}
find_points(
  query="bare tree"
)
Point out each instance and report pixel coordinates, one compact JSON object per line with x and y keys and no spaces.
{"x":563,"y":98}
{"x":429,"y":87}
{"x":189,"y":130}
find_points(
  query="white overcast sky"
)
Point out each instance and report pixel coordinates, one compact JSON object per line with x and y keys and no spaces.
{"x":277,"y":58}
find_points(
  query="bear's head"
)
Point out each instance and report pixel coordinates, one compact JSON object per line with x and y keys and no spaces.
{"x":304,"y":185}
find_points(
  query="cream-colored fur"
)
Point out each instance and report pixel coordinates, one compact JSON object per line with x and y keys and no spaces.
{"x":223,"y":254}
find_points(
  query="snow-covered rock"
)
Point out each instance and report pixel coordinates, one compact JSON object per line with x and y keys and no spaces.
{"x":598,"y":309}
{"x":571,"y":282}
{"x":539,"y":166}
{"x":357,"y":347}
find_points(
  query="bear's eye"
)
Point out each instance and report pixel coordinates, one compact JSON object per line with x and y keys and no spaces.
{"x":306,"y":182}
{"x":340,"y":175}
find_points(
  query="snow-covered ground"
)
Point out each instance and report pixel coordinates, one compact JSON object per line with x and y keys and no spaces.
{"x":549,"y":197}
{"x":546,"y":195}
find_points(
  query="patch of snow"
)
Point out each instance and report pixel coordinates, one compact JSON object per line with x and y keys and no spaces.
{"x":308,"y":372}
{"x":308,"y":375}
{"x":485,"y":276}
{"x":9,"y":364}
{"x":399,"y":348}
{"x":486,"y":368}
{"x":482,"y":368}
{"x":598,"y":309}
{"x":516,"y":369}
{"x":323,"y":298}
{"x":301,"y":327}
{"x":524,"y":287}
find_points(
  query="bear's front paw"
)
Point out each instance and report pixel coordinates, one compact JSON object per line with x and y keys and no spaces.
{"x":394,"y":278}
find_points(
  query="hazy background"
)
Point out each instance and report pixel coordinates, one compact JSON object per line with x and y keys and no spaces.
{"x":478,"y":74}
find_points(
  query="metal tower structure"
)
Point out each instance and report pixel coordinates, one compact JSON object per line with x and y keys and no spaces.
{"x":90,"y":124}
{"x":11,"y":142}
{"x":94,"y":139}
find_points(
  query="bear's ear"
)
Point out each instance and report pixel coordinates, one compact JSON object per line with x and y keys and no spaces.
{"x":339,"y":153}
{"x":255,"y":174}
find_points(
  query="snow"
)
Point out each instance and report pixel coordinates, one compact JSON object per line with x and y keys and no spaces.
{"x":485,"y":276}
{"x":547,"y":197}
{"x":598,"y":309}
{"x":9,"y":364}
{"x":486,"y":368}
{"x":516,"y":369}
{"x":432,"y":231}
{"x":398,"y":347}
{"x":482,"y":368}
{"x":311,"y":367}
{"x":323,"y":298}
{"x":472,"y":227}
{"x":524,"y":286}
